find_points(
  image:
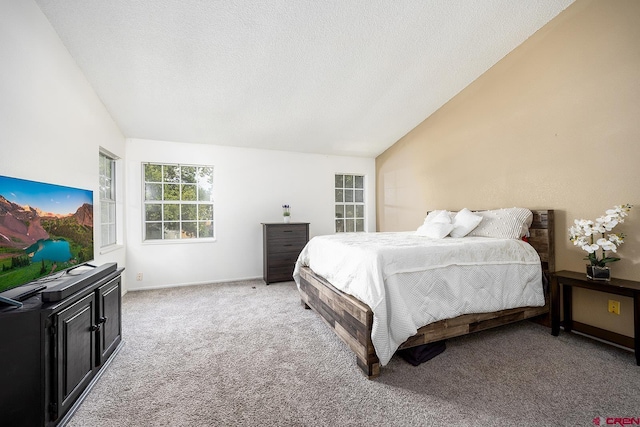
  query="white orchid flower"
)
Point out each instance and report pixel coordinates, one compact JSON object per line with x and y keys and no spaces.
{"x":605,"y":223}
{"x":609,"y":225}
{"x":616,"y":238}
{"x":582,"y":232}
{"x":581,"y":241}
{"x":590,"y":248}
{"x":575,"y":232}
{"x":606,"y":245}
{"x":623,"y":210}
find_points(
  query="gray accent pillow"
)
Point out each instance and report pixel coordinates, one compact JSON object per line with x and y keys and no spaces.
{"x":507,"y":223}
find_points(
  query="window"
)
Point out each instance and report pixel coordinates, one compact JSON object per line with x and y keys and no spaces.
{"x":107,"y":200}
{"x":349,"y":196}
{"x":178,"y":202}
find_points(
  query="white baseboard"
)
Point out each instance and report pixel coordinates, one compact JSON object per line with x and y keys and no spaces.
{"x":179,"y":285}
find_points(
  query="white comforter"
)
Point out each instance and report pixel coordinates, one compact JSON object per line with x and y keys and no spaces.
{"x":410,"y":281}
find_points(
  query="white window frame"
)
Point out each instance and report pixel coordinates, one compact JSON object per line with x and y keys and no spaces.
{"x":350,"y":203}
{"x":108,"y":199}
{"x":168,"y":224}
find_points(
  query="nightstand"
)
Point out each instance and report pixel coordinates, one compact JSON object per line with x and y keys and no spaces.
{"x":282,"y":244}
{"x":567,"y":280}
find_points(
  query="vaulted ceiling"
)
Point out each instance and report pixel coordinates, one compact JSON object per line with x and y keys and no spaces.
{"x":346,"y":77}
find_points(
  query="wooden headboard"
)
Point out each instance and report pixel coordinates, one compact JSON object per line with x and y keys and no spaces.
{"x":542,"y":238}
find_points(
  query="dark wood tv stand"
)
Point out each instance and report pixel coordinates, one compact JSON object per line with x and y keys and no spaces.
{"x":52,"y":352}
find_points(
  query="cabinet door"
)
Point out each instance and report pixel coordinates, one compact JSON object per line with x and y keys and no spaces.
{"x":75,"y":352}
{"x":109,"y":317}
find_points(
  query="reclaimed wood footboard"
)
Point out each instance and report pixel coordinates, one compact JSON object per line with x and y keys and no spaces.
{"x":352,"y":320}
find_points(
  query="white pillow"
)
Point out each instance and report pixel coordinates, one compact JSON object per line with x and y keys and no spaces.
{"x":464,"y":222}
{"x":434,"y":214}
{"x":435,"y":230}
{"x":509,"y":223}
{"x":436,"y":226}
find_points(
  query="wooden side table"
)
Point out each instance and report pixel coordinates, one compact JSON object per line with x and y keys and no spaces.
{"x":567,"y":280}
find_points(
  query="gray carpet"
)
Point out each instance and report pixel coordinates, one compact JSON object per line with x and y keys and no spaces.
{"x":248,"y":354}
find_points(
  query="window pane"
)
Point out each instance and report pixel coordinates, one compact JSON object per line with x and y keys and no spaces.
{"x":112,"y":212}
{"x":350,"y":225}
{"x":153,"y":231}
{"x":104,"y":212}
{"x":189,"y":174}
{"x":205,"y":173}
{"x":171,"y":212}
{"x":359,"y":196}
{"x":205,"y":212}
{"x":204,"y":194}
{"x":112,"y":234}
{"x":359,"y":224}
{"x":153,"y":212}
{"x":348,"y":181}
{"x":172,"y":192}
{"x":109,"y":189}
{"x":359,"y":211}
{"x":339,"y":211}
{"x":348,"y":195}
{"x":108,"y":165}
{"x":339,"y":226}
{"x":153,"y":192}
{"x":205,"y":184}
{"x":171,"y":230}
{"x":103,"y":187}
{"x":104,"y":234}
{"x":189,"y":230}
{"x":189,"y":192}
{"x":171,"y":173}
{"x":101,"y":164}
{"x":153,"y":173}
{"x":189,"y":213}
{"x":349,"y":209}
{"x":359,"y":181}
{"x":339,"y":181}
{"x":339,"y":196}
{"x":205,"y":229}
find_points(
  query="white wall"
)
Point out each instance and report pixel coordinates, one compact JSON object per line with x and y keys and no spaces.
{"x":250,"y":186}
{"x":52,"y":124}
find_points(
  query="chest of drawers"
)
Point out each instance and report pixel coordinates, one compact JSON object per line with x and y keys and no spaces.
{"x":282,"y":244}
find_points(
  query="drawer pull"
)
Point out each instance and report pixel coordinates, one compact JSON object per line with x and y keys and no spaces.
{"x":289,"y":244}
{"x":287,"y":231}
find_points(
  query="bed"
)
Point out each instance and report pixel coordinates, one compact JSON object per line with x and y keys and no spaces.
{"x":353,"y":320}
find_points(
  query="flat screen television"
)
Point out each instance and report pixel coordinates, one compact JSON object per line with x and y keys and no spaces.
{"x":44,"y":229}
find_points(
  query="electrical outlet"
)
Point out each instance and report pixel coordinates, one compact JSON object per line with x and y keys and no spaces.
{"x":614,"y":306}
{"x":139,"y":277}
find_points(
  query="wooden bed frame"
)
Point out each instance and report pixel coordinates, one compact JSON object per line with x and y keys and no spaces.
{"x":352,"y":320}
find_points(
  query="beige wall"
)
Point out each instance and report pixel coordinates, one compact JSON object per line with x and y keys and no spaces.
{"x":555,"y":124}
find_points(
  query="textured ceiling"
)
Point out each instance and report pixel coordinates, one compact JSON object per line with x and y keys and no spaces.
{"x":323,"y":76}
